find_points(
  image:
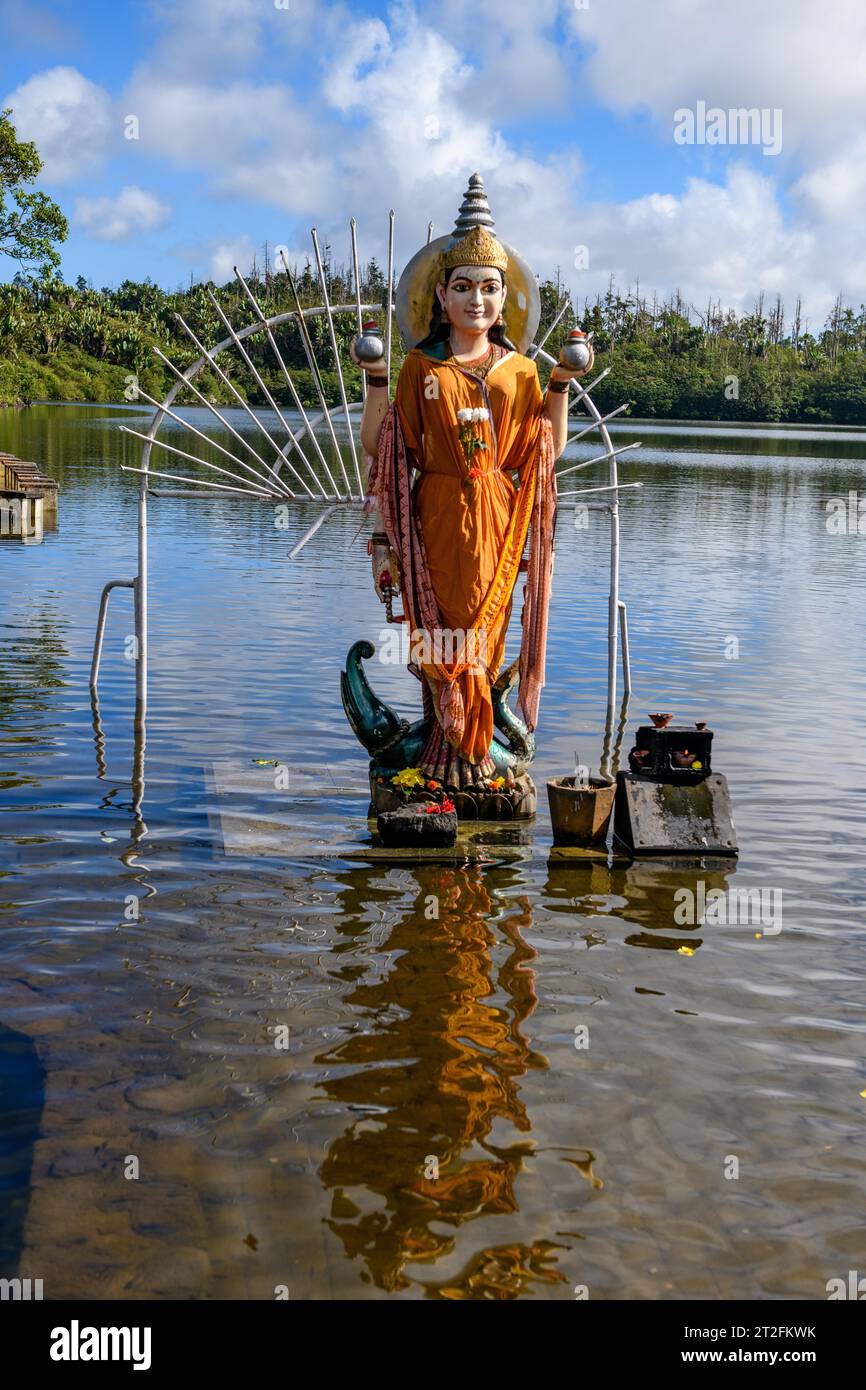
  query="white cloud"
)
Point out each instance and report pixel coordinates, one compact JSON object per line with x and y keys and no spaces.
{"x":205,"y":126}
{"x":520,"y":63}
{"x":214,"y":258}
{"x":397,"y":110}
{"x":728,"y":237}
{"x":222,"y":34}
{"x":422,"y":139}
{"x":68,"y":117}
{"x":131,"y":212}
{"x":255,"y":140}
{"x":228,"y":38}
{"x":836,"y":188}
{"x":803,"y":57}
{"x":388,"y":127}
{"x":726,"y":241}
{"x":33,"y":25}
{"x":225,"y":255}
{"x":830,"y":200}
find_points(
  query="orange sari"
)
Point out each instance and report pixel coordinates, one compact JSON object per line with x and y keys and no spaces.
{"x":471,"y":534}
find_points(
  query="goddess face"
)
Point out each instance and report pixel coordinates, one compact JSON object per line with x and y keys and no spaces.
{"x":473,"y":297}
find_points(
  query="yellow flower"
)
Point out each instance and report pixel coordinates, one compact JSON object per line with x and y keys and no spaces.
{"x":407,"y":779}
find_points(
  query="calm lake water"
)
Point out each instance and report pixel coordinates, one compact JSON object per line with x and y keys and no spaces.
{"x":233,"y":1054}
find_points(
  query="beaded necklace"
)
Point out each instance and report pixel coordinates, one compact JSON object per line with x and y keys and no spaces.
{"x":479,"y":366}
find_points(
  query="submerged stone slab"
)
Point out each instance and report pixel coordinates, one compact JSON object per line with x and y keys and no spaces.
{"x":412,"y":828}
{"x":670,"y":818}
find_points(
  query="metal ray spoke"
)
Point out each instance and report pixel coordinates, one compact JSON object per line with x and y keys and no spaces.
{"x":267,"y":394}
{"x":321,"y":418}
{"x":185,"y":381}
{"x":390,"y":308}
{"x":308,"y":534}
{"x":299,"y":405}
{"x":538,"y":346}
{"x":199,"y":482}
{"x":353,"y":232}
{"x":594,"y":424}
{"x":583,"y":491}
{"x":166,"y":410}
{"x":310,"y":354}
{"x":243,"y":442}
{"x":599,"y":458}
{"x":330,"y":317}
{"x":237,"y":395}
{"x":201,"y":463}
{"x":585,"y":390}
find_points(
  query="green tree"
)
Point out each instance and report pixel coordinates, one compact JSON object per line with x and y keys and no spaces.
{"x":30,"y":223}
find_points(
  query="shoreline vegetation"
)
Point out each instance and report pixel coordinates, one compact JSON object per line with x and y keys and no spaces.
{"x":68,"y":343}
{"x":672,"y":360}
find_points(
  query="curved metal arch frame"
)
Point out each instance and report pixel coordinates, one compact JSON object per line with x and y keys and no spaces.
{"x":207,"y":359}
{"x":617,"y":612}
{"x":617,"y":618}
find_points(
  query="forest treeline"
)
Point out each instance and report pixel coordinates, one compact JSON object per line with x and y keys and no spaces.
{"x":669,"y":359}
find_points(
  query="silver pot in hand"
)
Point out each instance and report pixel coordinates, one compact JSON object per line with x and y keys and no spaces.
{"x":575,"y":352}
{"x":368,"y":345}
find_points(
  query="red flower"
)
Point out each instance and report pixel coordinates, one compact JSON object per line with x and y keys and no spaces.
{"x":447,"y":804}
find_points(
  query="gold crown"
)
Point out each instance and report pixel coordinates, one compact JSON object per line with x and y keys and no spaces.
{"x":477,"y":247}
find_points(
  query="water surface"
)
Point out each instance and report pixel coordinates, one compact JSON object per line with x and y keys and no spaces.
{"x":199,"y":975}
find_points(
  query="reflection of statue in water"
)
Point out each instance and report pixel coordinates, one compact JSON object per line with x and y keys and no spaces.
{"x":440,"y":1065}
{"x":468,"y":418}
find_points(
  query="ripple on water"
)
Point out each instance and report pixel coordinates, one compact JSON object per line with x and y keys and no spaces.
{"x":363,"y":1080}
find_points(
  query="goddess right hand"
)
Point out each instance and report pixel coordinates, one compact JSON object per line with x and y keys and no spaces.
{"x":386,"y":567}
{"x":371,"y":368}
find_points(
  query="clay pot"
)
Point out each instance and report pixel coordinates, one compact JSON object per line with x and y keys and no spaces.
{"x":684,"y":759}
{"x":580,"y":814}
{"x":661,"y":721}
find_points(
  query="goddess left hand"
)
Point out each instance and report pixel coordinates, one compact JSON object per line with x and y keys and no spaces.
{"x":561,"y":373}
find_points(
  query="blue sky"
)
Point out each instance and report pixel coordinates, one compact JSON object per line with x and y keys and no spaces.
{"x":258,"y":118}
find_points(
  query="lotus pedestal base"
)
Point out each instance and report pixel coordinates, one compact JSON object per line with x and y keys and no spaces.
{"x":519,"y":802}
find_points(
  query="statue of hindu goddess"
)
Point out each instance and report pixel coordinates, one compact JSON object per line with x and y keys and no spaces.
{"x":461,"y":473}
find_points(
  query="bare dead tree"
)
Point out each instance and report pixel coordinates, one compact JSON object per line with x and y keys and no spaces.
{"x":797,"y":324}
{"x":776,"y":321}
{"x":833,"y":324}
